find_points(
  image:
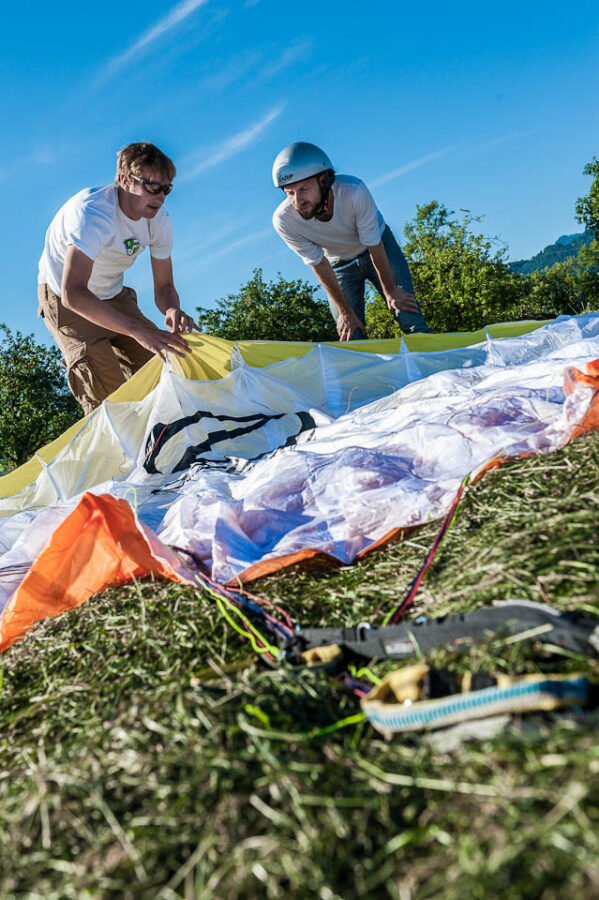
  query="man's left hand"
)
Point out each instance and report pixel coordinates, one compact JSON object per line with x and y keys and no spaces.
{"x":402,"y":301}
{"x":177,"y":321}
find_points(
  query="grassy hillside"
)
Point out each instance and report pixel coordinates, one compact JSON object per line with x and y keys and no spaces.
{"x":146,"y":752}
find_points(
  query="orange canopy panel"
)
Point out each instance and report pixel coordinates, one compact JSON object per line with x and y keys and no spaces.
{"x":101,"y":543}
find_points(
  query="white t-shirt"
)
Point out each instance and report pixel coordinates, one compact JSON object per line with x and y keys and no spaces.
{"x":94,"y":222}
{"x":356,"y":225}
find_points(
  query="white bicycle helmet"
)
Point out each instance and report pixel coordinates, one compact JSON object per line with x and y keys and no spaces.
{"x":299,"y":161}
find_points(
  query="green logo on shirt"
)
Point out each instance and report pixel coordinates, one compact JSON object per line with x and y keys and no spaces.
{"x":131,"y":246}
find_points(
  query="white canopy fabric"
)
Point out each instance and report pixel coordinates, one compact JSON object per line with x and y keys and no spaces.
{"x":329,"y":452}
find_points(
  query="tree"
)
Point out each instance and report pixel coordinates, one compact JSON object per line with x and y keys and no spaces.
{"x":586,"y":266}
{"x":460,"y":282}
{"x":587,"y":261}
{"x":274,"y":311}
{"x":36,"y":405}
{"x":567,"y":288}
{"x":587,"y":208}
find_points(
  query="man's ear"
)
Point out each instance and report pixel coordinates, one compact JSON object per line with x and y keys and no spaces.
{"x":326,"y":179}
{"x":124,"y":181}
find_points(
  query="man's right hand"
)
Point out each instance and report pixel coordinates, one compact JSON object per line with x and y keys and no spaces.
{"x":347,"y":324}
{"x":160,"y":342}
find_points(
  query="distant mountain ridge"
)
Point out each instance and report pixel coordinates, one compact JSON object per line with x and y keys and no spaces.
{"x":565,"y":247}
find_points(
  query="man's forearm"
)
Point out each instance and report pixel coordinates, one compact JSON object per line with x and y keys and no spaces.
{"x":166,"y":297}
{"x":325,"y":274}
{"x":397,"y":298}
{"x":83,"y":302}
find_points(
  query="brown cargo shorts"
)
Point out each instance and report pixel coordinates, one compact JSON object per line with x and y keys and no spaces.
{"x":97,"y":360}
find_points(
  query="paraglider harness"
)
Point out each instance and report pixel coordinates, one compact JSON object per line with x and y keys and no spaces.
{"x":418,"y":696}
{"x":313,"y":646}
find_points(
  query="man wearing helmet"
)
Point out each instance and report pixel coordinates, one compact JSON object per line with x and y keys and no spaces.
{"x":333,"y":224}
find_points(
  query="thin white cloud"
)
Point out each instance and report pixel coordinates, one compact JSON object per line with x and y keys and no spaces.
{"x":235,"y":245}
{"x":177,"y":14}
{"x":415,"y":164}
{"x":187,"y":269}
{"x":463,"y":151}
{"x":250,"y":67}
{"x":242,"y":65}
{"x":46,"y":154}
{"x":233,"y":145}
{"x":289,"y":56}
{"x":496,"y":142}
{"x":194,"y":245}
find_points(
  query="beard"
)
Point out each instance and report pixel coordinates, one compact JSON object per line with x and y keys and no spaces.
{"x":309,"y":211}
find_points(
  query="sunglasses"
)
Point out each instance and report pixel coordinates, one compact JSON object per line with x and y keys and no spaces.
{"x":152,"y":187}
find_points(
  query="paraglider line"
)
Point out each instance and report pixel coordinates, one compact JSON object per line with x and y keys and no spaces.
{"x":369,"y":385}
{"x":448,"y":521}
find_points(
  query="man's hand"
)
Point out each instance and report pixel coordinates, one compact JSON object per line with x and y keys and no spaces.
{"x":402,"y":301}
{"x":176,"y":321}
{"x":158,"y":341}
{"x":396,"y":298}
{"x":347,"y":323}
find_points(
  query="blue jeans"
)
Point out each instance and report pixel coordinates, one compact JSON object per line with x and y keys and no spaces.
{"x":352,"y":276}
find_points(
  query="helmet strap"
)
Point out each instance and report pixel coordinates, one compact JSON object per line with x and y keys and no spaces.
{"x":325,"y":181}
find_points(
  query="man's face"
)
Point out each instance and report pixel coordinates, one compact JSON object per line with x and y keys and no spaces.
{"x":305,"y":196}
{"x":140,"y":202}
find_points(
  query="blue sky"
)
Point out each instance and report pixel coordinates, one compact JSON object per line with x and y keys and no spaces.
{"x":486,"y":108}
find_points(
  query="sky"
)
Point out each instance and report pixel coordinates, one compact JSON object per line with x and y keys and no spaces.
{"x":489,"y":108}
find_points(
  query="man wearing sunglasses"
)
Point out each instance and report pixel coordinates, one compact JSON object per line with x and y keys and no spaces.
{"x":92,"y":240}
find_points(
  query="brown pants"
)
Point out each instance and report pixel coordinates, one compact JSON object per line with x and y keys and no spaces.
{"x":97,"y":360}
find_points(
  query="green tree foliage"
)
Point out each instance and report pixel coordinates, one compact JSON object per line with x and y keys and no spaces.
{"x":587,"y":261}
{"x":567,"y":288}
{"x":570,"y":286}
{"x":380,"y":323}
{"x":587,"y":208}
{"x":270,"y":311}
{"x":587,"y":275}
{"x":460,"y":281}
{"x":36,"y":405}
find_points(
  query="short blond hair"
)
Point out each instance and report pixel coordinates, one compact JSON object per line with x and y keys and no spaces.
{"x":135,"y":157}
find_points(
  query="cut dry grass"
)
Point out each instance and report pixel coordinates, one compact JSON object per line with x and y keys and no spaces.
{"x":147,"y":753}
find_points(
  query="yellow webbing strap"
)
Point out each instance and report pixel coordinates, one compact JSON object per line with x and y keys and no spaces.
{"x":320,"y":656}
